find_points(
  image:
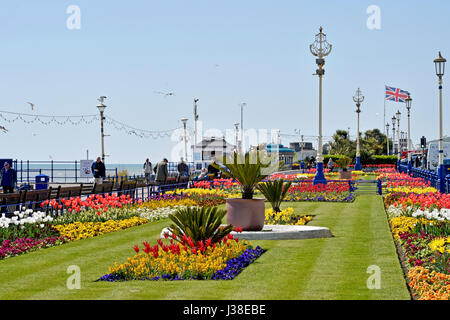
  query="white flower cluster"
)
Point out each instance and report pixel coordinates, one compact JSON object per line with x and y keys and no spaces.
{"x":159,"y":213}
{"x":25,"y":217}
{"x":440,"y":215}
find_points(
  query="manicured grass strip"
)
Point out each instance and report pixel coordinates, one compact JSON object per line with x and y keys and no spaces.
{"x":333,"y":268}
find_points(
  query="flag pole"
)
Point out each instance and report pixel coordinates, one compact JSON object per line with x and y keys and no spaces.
{"x":384,"y":119}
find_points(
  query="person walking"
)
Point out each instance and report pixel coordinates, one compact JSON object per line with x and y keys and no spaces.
{"x":99,"y":171}
{"x":148,"y":171}
{"x":330,"y":165}
{"x":182,"y":168}
{"x":161,"y":171}
{"x":8,"y":178}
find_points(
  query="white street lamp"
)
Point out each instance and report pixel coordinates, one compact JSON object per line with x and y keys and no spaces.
{"x":320,"y":48}
{"x":439,"y":63}
{"x":184,"y":120}
{"x":393,"y":135}
{"x":387,"y":138}
{"x":241,"y":146}
{"x":358,"y":98}
{"x":399,"y":149}
{"x":101,"y":107}
{"x":236,"y":127}
{"x":408,"y":102}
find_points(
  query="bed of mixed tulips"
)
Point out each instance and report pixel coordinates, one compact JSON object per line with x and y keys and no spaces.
{"x":333,"y":191}
{"x":182,"y":259}
{"x":419,"y":216}
{"x":72,"y":219}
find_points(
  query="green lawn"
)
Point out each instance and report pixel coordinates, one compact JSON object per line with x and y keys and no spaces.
{"x":333,"y":268}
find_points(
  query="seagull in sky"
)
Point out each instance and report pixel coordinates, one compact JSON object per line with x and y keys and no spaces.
{"x":31,"y":105}
{"x":3,"y":129}
{"x":166,"y":94}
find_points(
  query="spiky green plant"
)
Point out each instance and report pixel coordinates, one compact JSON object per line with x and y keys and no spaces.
{"x":199,"y":223}
{"x":247,"y":169}
{"x":275,"y":192}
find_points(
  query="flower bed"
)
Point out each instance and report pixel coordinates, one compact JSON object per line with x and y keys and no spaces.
{"x":74,"y":219}
{"x":83,"y":230}
{"x":331,"y":192}
{"x":23,"y":245}
{"x":186,"y":261}
{"x":419,"y":217}
{"x":285,"y":217}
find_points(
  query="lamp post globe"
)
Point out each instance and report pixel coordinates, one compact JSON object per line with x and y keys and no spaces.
{"x":358,"y":98}
{"x":320,"y":48}
{"x":439,"y":63}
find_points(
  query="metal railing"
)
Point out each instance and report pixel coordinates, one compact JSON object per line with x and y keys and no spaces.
{"x":69,"y":171}
{"x":427,"y":175}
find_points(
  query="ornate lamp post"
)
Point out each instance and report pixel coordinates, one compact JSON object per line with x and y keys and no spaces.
{"x":399,"y":150}
{"x":393,"y":134}
{"x":184,"y":120}
{"x":241,"y":147}
{"x":387,"y":138}
{"x":408,"y":102}
{"x":236,"y":127}
{"x":320,"y":48}
{"x":195,"y":133}
{"x":358,"y":98}
{"x":439,"y":63}
{"x":101,"y":107}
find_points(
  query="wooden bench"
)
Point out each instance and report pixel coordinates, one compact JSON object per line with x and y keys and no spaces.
{"x":67,"y":192}
{"x":102,"y":188}
{"x":127,"y":188}
{"x":10,"y":202}
{"x":33,"y":198}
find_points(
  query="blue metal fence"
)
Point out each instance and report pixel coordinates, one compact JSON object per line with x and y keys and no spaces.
{"x":427,"y":175}
{"x":68,"y":171}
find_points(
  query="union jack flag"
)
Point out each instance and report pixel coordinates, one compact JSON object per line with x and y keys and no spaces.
{"x":395,"y":94}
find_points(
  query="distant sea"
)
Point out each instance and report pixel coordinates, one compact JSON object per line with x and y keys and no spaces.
{"x":65,"y":172}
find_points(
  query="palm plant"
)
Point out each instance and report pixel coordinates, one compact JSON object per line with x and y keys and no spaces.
{"x":344,"y":162}
{"x":246,"y":169}
{"x":275,"y":191}
{"x":199,"y":223}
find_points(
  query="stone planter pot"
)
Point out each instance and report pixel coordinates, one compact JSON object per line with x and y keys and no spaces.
{"x":247,"y":214}
{"x":347,"y":175}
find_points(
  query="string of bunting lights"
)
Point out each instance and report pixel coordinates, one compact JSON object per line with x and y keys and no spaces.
{"x":11,"y":117}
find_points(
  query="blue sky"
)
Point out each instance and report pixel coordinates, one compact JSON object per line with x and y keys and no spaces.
{"x":224,"y":53}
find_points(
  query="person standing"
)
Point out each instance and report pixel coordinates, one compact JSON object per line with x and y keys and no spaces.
{"x":212,"y":170}
{"x":8,"y":178}
{"x":161,"y":171}
{"x":148,"y":171}
{"x":99,"y":171}
{"x":182,"y":168}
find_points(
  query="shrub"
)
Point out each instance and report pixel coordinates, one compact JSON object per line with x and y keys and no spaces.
{"x":199,"y":224}
{"x":275,"y":191}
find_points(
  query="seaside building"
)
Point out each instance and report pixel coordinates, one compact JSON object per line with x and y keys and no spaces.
{"x":308,"y":150}
{"x":209,"y":148}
